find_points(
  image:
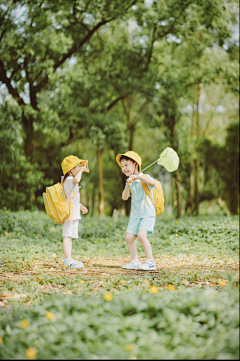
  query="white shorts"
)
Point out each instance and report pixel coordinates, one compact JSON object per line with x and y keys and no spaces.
{"x":70,"y":229}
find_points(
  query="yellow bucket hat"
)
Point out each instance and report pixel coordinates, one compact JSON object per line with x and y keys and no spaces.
{"x":132,"y":155}
{"x":72,"y":161}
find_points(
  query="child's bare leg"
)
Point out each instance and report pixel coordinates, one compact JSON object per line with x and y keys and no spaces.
{"x":142,"y":236}
{"x":67,"y":247}
{"x":131,"y":245}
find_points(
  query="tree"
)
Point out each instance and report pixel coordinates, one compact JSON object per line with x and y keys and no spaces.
{"x":221,"y":165}
{"x":77,"y":67}
{"x":37,"y":38}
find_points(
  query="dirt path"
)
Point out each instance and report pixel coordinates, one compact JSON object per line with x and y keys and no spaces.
{"x":106,"y":267}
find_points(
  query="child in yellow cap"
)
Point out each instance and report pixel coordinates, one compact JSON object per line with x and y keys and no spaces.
{"x":143,"y":214}
{"x":72,"y":168}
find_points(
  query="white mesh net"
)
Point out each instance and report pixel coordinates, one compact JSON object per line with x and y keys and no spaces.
{"x":169,"y":159}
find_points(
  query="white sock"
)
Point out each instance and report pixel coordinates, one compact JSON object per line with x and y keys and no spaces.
{"x":68,"y":259}
{"x":150,"y":260}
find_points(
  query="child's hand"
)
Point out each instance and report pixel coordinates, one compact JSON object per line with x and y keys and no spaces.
{"x":83,"y":209}
{"x":131,"y":179}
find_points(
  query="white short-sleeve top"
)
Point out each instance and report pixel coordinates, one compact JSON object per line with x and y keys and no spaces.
{"x":69,"y":187}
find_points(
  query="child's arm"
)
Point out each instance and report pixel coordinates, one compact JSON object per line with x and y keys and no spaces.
{"x":83,"y":208}
{"x":77,"y":177}
{"x":148,"y":180}
{"x":125,"y":193}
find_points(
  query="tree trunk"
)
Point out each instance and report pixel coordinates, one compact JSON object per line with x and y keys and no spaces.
{"x":127,"y":204}
{"x":131,"y":136}
{"x":28,"y":129}
{"x":93,"y":201}
{"x":101,"y":192}
{"x":177,"y":175}
{"x":171,"y":192}
{"x":179,"y":194}
{"x":197,"y":162}
{"x":192,"y":187}
{"x":195,"y":158}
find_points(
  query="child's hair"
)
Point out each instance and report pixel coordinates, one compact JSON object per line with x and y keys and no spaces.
{"x":65,"y":177}
{"x":124,"y":157}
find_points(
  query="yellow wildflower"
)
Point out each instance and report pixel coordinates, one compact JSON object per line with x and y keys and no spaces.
{"x":31,"y":353}
{"x":81,"y":281}
{"x":176,"y":235}
{"x":129,"y":347}
{"x":171,"y":287}
{"x":1,"y":340}
{"x":153,"y":289}
{"x":24,"y":323}
{"x":50,"y":315}
{"x":222,"y":283}
{"x":107,"y":296}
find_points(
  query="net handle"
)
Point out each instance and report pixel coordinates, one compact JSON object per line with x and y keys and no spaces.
{"x":150,"y":165}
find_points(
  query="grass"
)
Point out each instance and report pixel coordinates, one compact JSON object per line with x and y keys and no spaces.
{"x":186,"y":309}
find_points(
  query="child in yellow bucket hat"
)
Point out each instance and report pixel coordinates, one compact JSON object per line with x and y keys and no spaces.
{"x":143,"y":214}
{"x":72,"y":167}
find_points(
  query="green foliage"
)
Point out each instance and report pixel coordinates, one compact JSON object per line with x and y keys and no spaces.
{"x":177,"y":325}
{"x":188,"y":322}
{"x":102,"y":71}
{"x":20,"y":179}
{"x":221,"y":166}
{"x":33,"y":235}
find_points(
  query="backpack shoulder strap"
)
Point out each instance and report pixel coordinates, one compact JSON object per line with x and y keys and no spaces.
{"x":71,"y":203}
{"x":146,"y":190}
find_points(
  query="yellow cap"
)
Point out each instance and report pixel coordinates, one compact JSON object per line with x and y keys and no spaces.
{"x":72,"y":161}
{"x":132,"y":155}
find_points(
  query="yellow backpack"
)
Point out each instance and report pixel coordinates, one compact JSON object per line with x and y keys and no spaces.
{"x":158,"y":197}
{"x":56,"y":204}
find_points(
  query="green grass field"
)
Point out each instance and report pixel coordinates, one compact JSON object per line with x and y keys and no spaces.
{"x":187,"y":309}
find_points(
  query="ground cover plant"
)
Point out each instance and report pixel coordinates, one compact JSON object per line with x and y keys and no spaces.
{"x":186,"y":309}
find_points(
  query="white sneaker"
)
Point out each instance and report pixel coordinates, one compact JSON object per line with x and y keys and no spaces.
{"x":72,"y":263}
{"x":149,"y":266}
{"x":134,"y":264}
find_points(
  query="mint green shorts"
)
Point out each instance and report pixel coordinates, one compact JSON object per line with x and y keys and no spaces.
{"x":135,"y":225}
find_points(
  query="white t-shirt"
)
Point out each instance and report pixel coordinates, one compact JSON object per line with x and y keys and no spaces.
{"x":69,"y":187}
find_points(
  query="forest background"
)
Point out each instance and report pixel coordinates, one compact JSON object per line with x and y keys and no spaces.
{"x":98,"y":78}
